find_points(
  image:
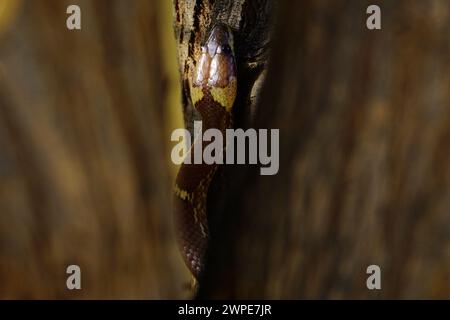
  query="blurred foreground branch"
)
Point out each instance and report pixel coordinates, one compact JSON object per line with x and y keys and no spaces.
{"x":84,"y":174}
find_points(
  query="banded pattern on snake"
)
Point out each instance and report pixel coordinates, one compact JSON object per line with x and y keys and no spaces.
{"x":213,"y":88}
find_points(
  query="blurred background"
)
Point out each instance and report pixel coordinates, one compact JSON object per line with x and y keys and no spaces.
{"x":85,"y":175}
{"x":364,"y":119}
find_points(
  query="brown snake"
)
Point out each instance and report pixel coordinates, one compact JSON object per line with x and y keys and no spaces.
{"x":213,"y":87}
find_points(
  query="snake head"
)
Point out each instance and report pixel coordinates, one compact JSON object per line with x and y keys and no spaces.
{"x":216,"y":65}
{"x":215,"y":71}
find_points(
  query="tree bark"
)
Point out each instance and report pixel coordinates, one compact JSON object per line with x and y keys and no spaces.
{"x":250,"y":21}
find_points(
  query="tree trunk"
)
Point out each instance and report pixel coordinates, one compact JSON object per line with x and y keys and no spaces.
{"x":364,"y":119}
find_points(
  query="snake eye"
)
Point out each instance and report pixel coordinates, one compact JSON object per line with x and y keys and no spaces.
{"x":225,"y":49}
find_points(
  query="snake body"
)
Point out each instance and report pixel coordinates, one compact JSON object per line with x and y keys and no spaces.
{"x":213,"y":86}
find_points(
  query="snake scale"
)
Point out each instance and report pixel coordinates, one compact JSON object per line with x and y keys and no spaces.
{"x":213,"y":87}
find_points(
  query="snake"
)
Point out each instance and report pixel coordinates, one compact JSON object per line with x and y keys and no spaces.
{"x":213,"y":89}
